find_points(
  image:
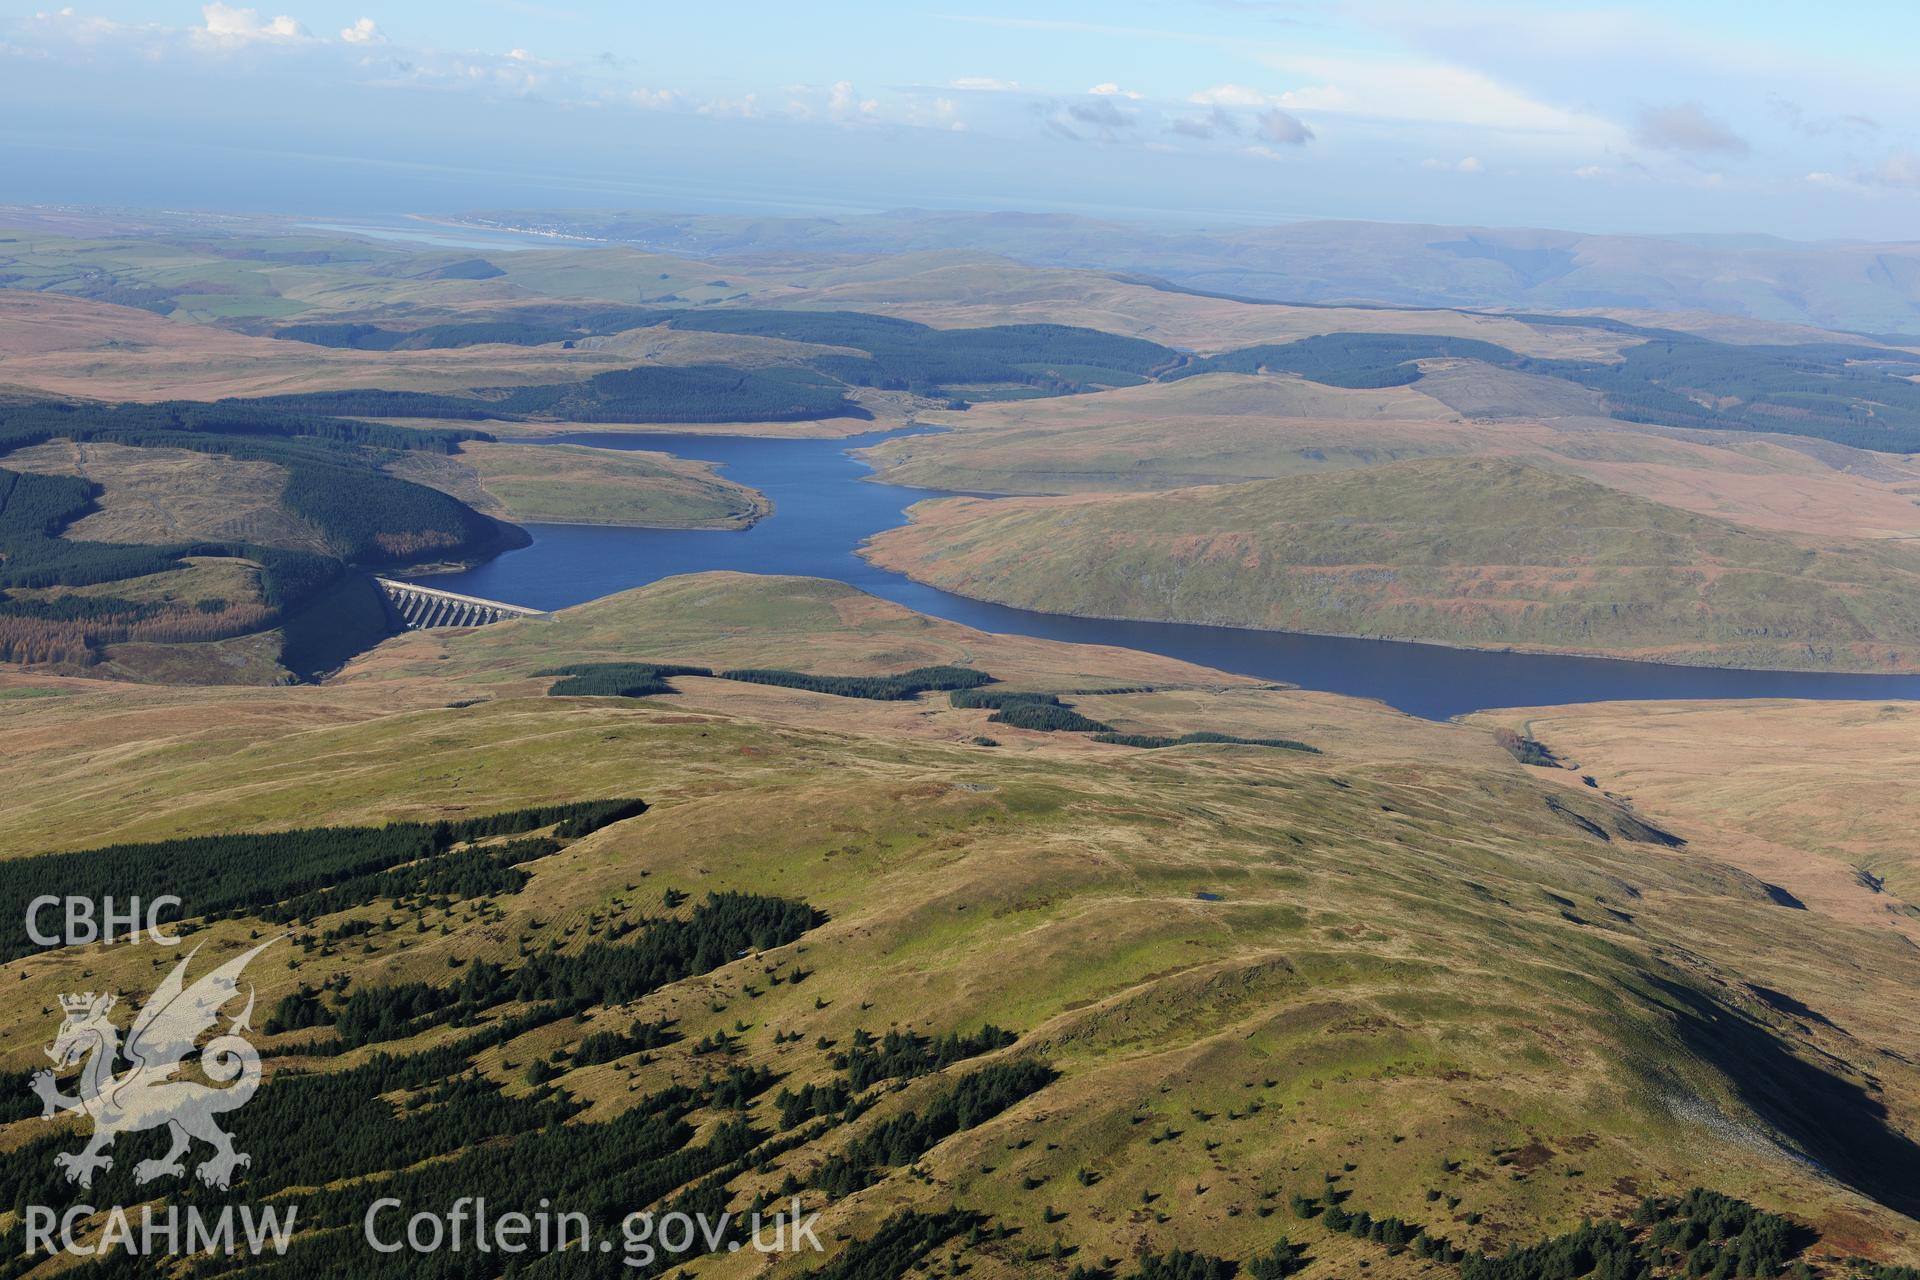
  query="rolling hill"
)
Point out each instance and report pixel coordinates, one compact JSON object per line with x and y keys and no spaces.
{"x":578,"y":484}
{"x":1451,"y":551}
{"x":1406,"y":975}
{"x":1855,"y":286}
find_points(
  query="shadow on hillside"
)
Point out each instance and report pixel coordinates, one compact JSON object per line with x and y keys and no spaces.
{"x":1832,"y":1120}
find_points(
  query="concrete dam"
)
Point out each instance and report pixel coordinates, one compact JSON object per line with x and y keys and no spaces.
{"x":419,"y":607}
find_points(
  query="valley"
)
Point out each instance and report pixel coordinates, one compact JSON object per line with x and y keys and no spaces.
{"x":1240,"y":640}
{"x":968,"y":774}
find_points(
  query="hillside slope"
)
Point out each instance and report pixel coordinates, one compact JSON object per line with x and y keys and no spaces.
{"x":1437,"y":987}
{"x":1221,"y":427}
{"x":1455,"y":551}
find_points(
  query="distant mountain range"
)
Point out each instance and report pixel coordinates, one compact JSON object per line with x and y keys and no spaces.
{"x":1862,"y":287}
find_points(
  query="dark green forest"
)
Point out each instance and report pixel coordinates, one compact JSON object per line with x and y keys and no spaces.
{"x":1703,"y":1234}
{"x":35,"y":508}
{"x":332,"y":463}
{"x":650,"y":679}
{"x":685,"y":393}
{"x":902,"y":355}
{"x":1152,"y":742}
{"x":616,"y":679}
{"x":1853,"y":395}
{"x":233,"y":421}
{"x":251,"y":872}
{"x":525,"y":326}
{"x":908,"y":684}
{"x":334,"y":481}
{"x":1850,"y":395}
{"x":900,"y":1140}
{"x":1354,"y":360}
{"x":906,"y":356}
{"x":902,"y":1055}
{"x":1856,"y":396}
{"x":1026,"y":710}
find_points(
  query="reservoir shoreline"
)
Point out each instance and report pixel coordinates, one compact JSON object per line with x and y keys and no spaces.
{"x":824,"y":509}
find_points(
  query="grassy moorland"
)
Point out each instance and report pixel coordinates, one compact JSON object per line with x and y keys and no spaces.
{"x":1222,"y":428}
{"x":1473,"y":997}
{"x":58,"y":345}
{"x":577,"y":484}
{"x":1080,"y":961}
{"x":1205,"y":430}
{"x":954,"y":289}
{"x":162,"y":495}
{"x":1759,"y":284}
{"x":269,"y":281}
{"x":1809,"y":794}
{"x":1457,"y":552}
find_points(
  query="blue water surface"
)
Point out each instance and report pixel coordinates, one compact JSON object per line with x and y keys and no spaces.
{"x":824,"y":509}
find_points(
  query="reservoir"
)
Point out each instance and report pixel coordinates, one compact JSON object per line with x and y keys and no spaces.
{"x":824,"y":509}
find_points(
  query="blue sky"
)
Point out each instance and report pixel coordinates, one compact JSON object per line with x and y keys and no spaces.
{"x":1703,"y":116}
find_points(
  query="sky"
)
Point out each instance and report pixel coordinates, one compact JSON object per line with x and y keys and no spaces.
{"x":1689,"y":116}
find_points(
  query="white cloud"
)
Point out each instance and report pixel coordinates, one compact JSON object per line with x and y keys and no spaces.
{"x":365,"y":31}
{"x":230,"y":25}
{"x":1231,"y":95}
{"x":1111,"y":90}
{"x":844,"y":104}
{"x":1426,"y":92}
{"x":1320,"y":97}
{"x":1854,"y":84}
{"x":1466,"y":164}
{"x":744,"y":107}
{"x":1593,"y":172}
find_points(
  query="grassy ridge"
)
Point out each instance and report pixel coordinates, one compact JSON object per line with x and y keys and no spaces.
{"x":578,"y":484}
{"x":1465,"y":552}
{"x":1446,"y":984}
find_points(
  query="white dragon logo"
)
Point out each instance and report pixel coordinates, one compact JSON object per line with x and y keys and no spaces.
{"x":147,"y":1096}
